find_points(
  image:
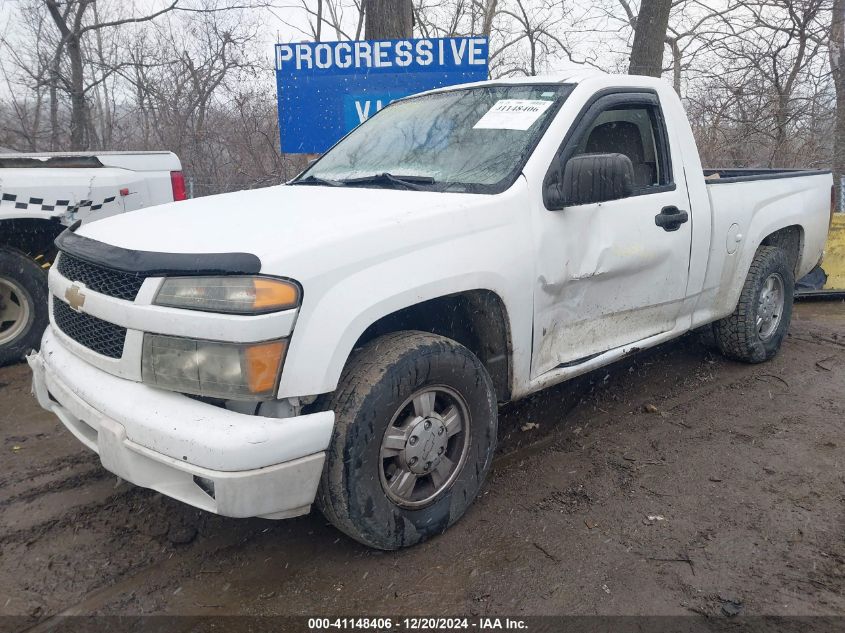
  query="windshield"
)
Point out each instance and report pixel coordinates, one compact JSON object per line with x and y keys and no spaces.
{"x":473,"y":139}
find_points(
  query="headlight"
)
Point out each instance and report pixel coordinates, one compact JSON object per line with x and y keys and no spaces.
{"x":235,"y":371}
{"x":233,"y":295}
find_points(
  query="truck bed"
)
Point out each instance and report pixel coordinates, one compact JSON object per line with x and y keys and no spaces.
{"x":84,"y":185}
{"x":718,"y":176}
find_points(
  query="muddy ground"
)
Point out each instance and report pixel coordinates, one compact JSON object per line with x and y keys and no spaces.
{"x":673,"y":483}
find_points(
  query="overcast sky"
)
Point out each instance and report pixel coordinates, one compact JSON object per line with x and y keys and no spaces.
{"x":283,"y":21}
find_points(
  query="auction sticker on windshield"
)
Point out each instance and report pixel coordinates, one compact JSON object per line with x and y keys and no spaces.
{"x":512,"y":114}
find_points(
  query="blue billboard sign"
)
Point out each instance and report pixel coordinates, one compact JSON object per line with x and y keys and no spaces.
{"x":327,"y":88}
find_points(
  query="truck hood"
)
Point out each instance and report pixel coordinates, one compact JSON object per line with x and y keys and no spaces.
{"x":287,"y":225}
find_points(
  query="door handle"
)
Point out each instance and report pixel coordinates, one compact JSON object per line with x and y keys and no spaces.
{"x":671,"y":218}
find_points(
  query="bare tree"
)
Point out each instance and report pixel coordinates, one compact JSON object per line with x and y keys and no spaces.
{"x":344,"y":18}
{"x":771,"y":64}
{"x":762,"y":80}
{"x":538,"y":30}
{"x":692,"y":30}
{"x":70,"y":20}
{"x":489,"y":13}
{"x":24,"y":74}
{"x":649,"y":36}
{"x":836,"y":54}
{"x":388,"y":19}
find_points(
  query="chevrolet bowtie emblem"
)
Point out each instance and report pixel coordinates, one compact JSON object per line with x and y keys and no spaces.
{"x":74,"y":297}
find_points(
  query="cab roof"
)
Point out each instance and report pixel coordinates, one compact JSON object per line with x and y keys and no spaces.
{"x":582,"y":75}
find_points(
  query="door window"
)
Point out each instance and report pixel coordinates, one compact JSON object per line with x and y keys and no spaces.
{"x":634,"y":131}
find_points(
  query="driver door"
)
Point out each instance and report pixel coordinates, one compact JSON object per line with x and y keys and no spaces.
{"x":608,"y":275}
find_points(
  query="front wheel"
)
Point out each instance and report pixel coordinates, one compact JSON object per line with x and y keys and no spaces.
{"x":414,"y":438}
{"x":758,"y":325}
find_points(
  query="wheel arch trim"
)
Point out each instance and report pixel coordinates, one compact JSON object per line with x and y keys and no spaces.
{"x":328,"y":332}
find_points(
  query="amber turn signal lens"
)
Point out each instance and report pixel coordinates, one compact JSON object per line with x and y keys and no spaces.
{"x":231,"y":371}
{"x":262,"y":365}
{"x":272,"y":293}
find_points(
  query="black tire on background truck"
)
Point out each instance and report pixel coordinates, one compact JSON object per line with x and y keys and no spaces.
{"x":414,"y":437}
{"x":758,"y":325}
{"x":23,"y":305}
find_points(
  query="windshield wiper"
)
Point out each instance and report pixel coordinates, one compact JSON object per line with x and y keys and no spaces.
{"x":409,"y":182}
{"x":315,"y":180}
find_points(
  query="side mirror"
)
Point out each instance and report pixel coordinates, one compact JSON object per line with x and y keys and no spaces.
{"x":590,"y":178}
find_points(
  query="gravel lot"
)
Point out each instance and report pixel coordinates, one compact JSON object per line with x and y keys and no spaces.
{"x":672,"y":483}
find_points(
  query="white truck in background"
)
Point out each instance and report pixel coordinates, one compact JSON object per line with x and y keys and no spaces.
{"x":345,"y":338}
{"x":42,"y":194}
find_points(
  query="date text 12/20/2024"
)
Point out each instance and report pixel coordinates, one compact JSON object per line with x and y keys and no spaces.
{"x":417,"y":624}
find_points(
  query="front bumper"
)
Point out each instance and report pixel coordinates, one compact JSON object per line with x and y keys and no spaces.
{"x":222,"y":461}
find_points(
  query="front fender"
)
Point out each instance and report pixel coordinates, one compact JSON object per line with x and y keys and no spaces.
{"x":338,"y":309}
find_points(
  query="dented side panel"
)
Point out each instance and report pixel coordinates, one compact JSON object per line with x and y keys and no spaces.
{"x":606,"y":276}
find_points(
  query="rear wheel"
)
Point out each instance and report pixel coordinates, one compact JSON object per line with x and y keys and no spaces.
{"x":414,"y":437}
{"x":23,"y":305}
{"x":758,"y":325}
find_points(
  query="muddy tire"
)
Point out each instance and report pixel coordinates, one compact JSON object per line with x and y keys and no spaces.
{"x":23,"y":305}
{"x":758,"y":325}
{"x":414,"y":437}
{"x":706,"y":337}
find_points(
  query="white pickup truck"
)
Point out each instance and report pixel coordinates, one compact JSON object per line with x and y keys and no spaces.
{"x":40,"y":195}
{"x":344,"y":338}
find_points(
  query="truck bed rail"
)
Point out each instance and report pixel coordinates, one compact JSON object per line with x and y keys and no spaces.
{"x":721,"y":176}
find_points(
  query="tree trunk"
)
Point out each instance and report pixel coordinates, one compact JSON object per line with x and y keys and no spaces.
{"x":676,"y":64}
{"x":73,"y":48}
{"x":78,"y":118}
{"x":54,"y":115}
{"x":837,"y":67}
{"x":489,"y":14}
{"x":780,"y":153}
{"x":388,"y":19}
{"x":649,"y":36}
